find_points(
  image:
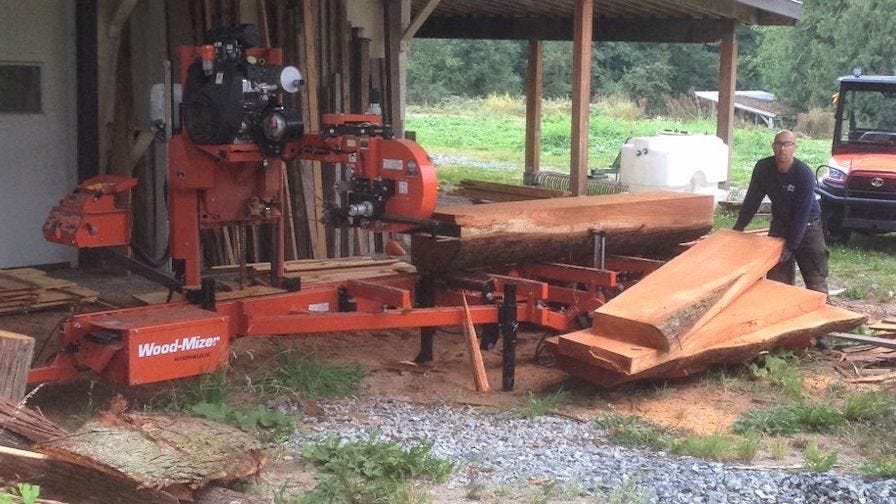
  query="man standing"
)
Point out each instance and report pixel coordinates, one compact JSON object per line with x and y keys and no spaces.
{"x":790,"y":185}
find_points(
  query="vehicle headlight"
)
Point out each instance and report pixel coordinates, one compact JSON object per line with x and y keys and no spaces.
{"x":835,"y":175}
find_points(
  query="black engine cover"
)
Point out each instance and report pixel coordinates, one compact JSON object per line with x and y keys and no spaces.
{"x":212,"y":106}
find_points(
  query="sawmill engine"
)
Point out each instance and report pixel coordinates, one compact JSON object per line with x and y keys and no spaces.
{"x":231,"y":96}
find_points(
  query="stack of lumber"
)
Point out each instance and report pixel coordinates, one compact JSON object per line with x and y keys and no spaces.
{"x":27,"y":289}
{"x":480,"y":191}
{"x":311,"y":272}
{"x":709,"y":305}
{"x":561,"y":229}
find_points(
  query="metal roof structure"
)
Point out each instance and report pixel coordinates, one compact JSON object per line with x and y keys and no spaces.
{"x":617,"y":20}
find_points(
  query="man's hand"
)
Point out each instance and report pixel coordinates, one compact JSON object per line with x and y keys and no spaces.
{"x":786,"y":255}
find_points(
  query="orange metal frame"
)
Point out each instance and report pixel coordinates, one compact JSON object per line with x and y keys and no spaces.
{"x":162,"y":342}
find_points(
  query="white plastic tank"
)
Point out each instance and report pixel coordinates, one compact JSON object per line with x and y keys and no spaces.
{"x":675,"y":162}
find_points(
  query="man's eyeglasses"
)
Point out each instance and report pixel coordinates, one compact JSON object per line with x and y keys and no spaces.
{"x":782,"y":145}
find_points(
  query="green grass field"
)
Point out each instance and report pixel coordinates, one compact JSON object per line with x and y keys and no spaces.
{"x":484,"y":139}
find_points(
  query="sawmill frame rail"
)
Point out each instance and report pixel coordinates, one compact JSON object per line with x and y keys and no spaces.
{"x":176,"y":340}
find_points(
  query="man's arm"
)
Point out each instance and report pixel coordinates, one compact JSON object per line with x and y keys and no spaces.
{"x":752,"y":200}
{"x":799,"y":214}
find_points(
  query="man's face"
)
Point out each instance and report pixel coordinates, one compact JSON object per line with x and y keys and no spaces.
{"x":784,"y":147}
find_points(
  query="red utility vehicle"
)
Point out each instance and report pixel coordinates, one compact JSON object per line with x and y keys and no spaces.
{"x":858,"y":185}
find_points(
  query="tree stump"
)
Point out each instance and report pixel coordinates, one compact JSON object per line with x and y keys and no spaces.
{"x":16,"y":352}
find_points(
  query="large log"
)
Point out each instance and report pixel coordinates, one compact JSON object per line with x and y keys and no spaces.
{"x":69,"y":482}
{"x":16,"y":352}
{"x":689,"y":290}
{"x":174,"y":454}
{"x":561,"y":229}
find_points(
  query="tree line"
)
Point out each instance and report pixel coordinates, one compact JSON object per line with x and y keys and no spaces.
{"x":799,"y":64}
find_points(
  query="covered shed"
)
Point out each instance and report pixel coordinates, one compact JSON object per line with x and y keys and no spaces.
{"x":79,"y":75}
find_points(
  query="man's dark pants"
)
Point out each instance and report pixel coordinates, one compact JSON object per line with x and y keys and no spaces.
{"x":812,"y":257}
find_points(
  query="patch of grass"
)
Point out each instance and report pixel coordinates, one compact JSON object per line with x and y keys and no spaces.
{"x":631,"y":431}
{"x":371,"y":471}
{"x":536,"y":406}
{"x":298,"y":373}
{"x":712,"y":447}
{"x":865,"y":267}
{"x":879,"y":467}
{"x":747,"y":448}
{"x":629,"y":492}
{"x":184,"y":394}
{"x":781,"y":370}
{"x":818,"y":460}
{"x":778,"y":448}
{"x":869,"y":407}
{"x":269,"y":424}
{"x":789,"y":419}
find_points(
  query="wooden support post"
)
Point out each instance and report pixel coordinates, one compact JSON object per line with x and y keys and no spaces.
{"x":16,"y":353}
{"x":480,"y":378}
{"x":392,"y":93}
{"x":581,"y":95}
{"x":318,"y":233}
{"x":727,"y":88}
{"x":418,"y":21}
{"x":534,"y":89}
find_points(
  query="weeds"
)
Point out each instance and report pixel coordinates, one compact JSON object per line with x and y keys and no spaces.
{"x":210,"y":388}
{"x":630,"y":431}
{"x":25,"y":492}
{"x":818,"y":460}
{"x":370,"y":471}
{"x":789,"y":419}
{"x":629,"y":492}
{"x":879,"y":467}
{"x":539,"y":406}
{"x":302,"y":374}
{"x":868,"y":407}
{"x":271,"y":425}
{"x":778,"y":449}
{"x":780,"y":370}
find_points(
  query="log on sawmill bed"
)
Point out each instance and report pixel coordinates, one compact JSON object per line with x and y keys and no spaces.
{"x":561,"y":229}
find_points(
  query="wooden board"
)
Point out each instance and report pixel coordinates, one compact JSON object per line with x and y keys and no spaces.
{"x":689,"y":290}
{"x":764,"y":304}
{"x":794,"y":333}
{"x":492,"y":191}
{"x":26,"y":289}
{"x":561,"y":229}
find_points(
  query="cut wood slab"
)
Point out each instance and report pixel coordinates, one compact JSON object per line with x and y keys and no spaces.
{"x":764,"y":304}
{"x":175,"y":454}
{"x":64,"y":481}
{"x":794,"y":333}
{"x":560,"y":229}
{"x":869,"y":340}
{"x":689,"y":290}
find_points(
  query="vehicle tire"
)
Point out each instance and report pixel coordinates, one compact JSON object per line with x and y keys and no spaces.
{"x":832,"y":225}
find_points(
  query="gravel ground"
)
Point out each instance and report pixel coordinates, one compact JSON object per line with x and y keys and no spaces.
{"x":500,"y":449}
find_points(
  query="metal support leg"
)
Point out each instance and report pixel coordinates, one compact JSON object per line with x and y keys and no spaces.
{"x":426,"y":298}
{"x":600,"y":249}
{"x":275,"y":255}
{"x":508,"y":323}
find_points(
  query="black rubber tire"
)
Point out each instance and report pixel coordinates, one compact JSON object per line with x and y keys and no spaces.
{"x":832,"y":225}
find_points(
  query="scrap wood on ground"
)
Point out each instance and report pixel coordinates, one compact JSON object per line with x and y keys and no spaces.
{"x":122,"y":457}
{"x":707,"y":306}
